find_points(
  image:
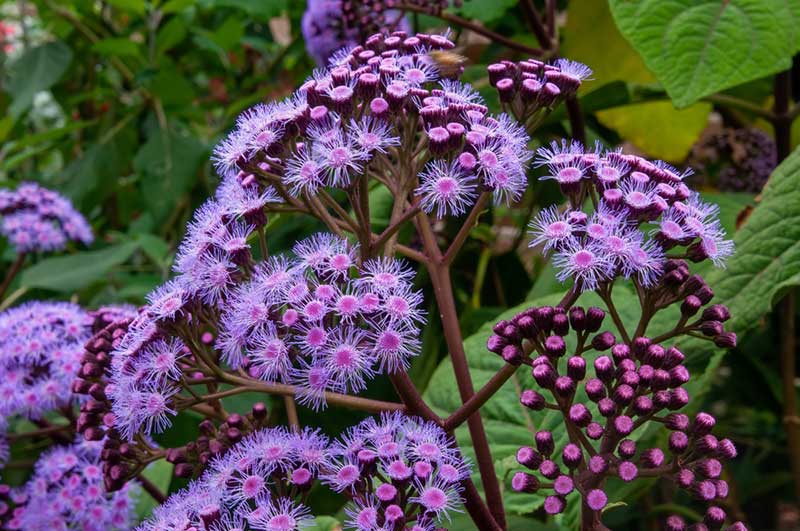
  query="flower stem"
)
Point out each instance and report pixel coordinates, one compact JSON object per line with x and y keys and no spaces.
{"x":12,"y":272}
{"x":782,"y":124}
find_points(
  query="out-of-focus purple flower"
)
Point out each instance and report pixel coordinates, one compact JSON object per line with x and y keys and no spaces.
{"x":398,"y":469}
{"x":41,"y":344}
{"x":35,"y":219}
{"x":330,"y":25}
{"x":257,"y":485}
{"x":631,"y":193}
{"x":66,"y":492}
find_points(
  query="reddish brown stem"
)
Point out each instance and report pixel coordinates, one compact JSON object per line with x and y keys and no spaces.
{"x":12,"y":272}
{"x":477,"y":28}
{"x":151,"y":489}
{"x":479,"y":399}
{"x":440,"y":278}
{"x":477,"y":509}
{"x":782,"y":124}
{"x":465,"y":229}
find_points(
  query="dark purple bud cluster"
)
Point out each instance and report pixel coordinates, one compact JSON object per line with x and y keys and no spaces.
{"x":528,"y":88}
{"x":215,"y":441}
{"x":736,"y":160}
{"x":605,"y":398}
{"x":123,"y":459}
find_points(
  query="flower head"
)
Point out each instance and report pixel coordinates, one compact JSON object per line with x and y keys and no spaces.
{"x":35,"y":219}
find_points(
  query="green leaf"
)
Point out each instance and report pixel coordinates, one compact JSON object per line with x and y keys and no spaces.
{"x":675,"y":134}
{"x":263,"y":9}
{"x":170,"y":35}
{"x":88,"y":180}
{"x":508,"y":424}
{"x":133,"y":6}
{"x":160,"y":474}
{"x":325,"y":523}
{"x":617,"y":64}
{"x":485,"y":10}
{"x":70,"y":273}
{"x":120,"y":47}
{"x":171,"y":87}
{"x":37,"y":69}
{"x":168,"y":163}
{"x":173,"y":6}
{"x":767,"y":258}
{"x":699,"y":47}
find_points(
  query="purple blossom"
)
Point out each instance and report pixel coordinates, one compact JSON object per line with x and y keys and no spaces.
{"x":253,"y":486}
{"x":35,"y":219}
{"x":630,"y":192}
{"x":41,"y":345}
{"x":422,"y":461}
{"x":66,"y":492}
{"x":330,"y":25}
{"x":345,"y":124}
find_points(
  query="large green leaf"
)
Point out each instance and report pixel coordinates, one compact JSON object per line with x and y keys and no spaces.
{"x":767,"y":259}
{"x":168,"y":164}
{"x":37,"y":69}
{"x":508,"y":424}
{"x":615,"y":63}
{"x":699,"y":47}
{"x":70,"y":273}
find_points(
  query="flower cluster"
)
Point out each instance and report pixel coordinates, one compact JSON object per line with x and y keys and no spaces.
{"x":66,"y":493}
{"x":304,"y":320}
{"x":529,"y":88}
{"x":628,"y":193}
{"x":384,"y":110}
{"x":255,"y":486}
{"x":640,"y":381}
{"x":330,"y":25}
{"x":37,"y":219}
{"x":401,"y":473}
{"x":41,"y":344}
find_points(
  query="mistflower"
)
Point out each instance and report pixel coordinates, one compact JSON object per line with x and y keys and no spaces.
{"x":41,"y":344}
{"x":316,"y":320}
{"x":35,"y":219}
{"x":629,"y":193}
{"x":397,"y":469}
{"x":330,"y":25}
{"x":626,"y":384}
{"x":66,"y":492}
{"x":256,"y":485}
{"x":347,"y":124}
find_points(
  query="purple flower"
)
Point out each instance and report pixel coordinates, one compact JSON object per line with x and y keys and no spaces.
{"x":254,"y":485}
{"x":35,"y":219}
{"x":422,"y":461}
{"x":631,"y":192}
{"x":41,"y":345}
{"x":330,"y":25}
{"x":66,"y":492}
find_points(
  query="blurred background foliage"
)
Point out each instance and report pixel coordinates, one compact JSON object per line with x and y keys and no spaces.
{"x":117,"y":104}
